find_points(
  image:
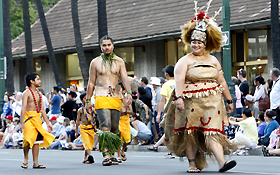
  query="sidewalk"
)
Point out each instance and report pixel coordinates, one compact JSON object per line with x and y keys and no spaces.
{"x":144,"y":148}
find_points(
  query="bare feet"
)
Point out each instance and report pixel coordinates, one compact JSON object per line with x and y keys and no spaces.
{"x":38,"y":166}
{"x":193,"y":170}
{"x":24,"y":165}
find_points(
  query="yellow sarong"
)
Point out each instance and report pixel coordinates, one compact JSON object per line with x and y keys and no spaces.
{"x":124,"y":127}
{"x":102,"y":102}
{"x":33,"y":126}
{"x":87,"y":136}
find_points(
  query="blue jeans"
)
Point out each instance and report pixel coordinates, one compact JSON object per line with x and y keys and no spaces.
{"x":239,"y":110}
{"x":55,"y":145}
{"x":156,"y":123}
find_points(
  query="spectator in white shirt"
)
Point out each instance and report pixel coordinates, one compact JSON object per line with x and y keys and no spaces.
{"x":260,"y":91}
{"x":17,"y":105}
{"x":274,"y":94}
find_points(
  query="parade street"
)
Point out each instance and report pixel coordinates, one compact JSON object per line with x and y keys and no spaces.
{"x":138,"y":163}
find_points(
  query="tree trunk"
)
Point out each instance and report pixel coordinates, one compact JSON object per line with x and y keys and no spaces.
{"x":102,"y":19}
{"x":9,"y":82}
{"x":27,"y":34}
{"x":275,"y":35}
{"x":78,"y":41}
{"x":48,"y":43}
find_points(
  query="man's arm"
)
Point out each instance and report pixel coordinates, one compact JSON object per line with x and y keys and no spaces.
{"x":126,"y":82}
{"x":91,"y":85}
{"x":52,"y":100}
{"x":24,"y":104}
{"x":160,"y":106}
{"x":78,"y":123}
{"x":221,"y":80}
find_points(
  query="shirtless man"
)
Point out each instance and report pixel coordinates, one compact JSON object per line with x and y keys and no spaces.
{"x":103,"y":78}
{"x":30,"y":119}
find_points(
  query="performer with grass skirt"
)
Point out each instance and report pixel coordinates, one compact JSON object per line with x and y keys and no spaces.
{"x":196,"y":113}
{"x":103,"y":78}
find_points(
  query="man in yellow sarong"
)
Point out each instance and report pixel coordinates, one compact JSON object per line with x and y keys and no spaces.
{"x":33,"y":133}
{"x":87,"y":123}
{"x":103,"y":78}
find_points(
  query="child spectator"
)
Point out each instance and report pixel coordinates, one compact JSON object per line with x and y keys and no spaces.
{"x":262,"y":124}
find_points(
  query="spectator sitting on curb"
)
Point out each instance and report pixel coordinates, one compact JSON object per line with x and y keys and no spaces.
{"x":273,"y":152}
{"x":247,"y":132}
{"x":249,"y":101}
{"x":262,"y":124}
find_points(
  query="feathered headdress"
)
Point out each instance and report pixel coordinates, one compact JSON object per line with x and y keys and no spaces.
{"x":203,"y":28}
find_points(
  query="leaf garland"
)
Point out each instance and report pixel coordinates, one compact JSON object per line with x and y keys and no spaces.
{"x":110,"y":141}
{"x":109,"y":58}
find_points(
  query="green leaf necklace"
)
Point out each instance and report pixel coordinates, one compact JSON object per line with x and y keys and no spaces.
{"x":109,"y":58}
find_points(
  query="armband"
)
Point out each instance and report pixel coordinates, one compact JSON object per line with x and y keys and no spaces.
{"x":88,"y":100}
{"x":129,"y":92}
{"x":176,"y":98}
{"x":229,"y":101}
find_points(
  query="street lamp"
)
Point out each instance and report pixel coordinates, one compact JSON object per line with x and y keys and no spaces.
{"x":227,"y":50}
{"x":2,"y":59}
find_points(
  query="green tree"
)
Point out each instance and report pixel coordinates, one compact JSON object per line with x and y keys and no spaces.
{"x":16,"y":17}
{"x":16,"y":14}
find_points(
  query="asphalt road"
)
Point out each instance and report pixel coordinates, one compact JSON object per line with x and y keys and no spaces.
{"x":139,"y":163}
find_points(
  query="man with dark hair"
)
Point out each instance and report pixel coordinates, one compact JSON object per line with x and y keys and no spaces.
{"x":104,"y":73}
{"x":55,"y":103}
{"x":70,"y":106}
{"x":244,"y":85}
{"x":274,"y":94}
{"x":165,"y":93}
{"x":33,"y":133}
{"x":144,"y":84}
{"x":106,"y":37}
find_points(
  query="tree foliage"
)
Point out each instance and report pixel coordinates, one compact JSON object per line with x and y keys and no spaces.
{"x":16,"y":14}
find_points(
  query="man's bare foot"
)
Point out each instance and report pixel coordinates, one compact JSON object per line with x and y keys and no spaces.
{"x":38,"y":166}
{"x":123,"y":157}
{"x":193,"y":170}
{"x":228,"y":165}
{"x":24,"y":165}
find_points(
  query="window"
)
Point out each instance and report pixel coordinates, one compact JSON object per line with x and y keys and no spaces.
{"x":127,"y":54}
{"x":257,"y":40}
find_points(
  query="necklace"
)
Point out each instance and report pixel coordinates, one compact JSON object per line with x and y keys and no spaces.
{"x":109,"y":58}
{"x":40,"y":97}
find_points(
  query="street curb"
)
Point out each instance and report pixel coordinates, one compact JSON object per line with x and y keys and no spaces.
{"x":144,"y":148}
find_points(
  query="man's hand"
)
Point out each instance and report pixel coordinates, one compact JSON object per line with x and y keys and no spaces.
{"x":76,"y":134}
{"x":232,"y":118}
{"x":22,"y":127}
{"x":50,"y":129}
{"x":158,"y":117}
{"x":89,"y":108}
{"x":179,"y":104}
{"x":230,"y":108}
{"x":147,"y":116}
{"x":128,"y":99}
